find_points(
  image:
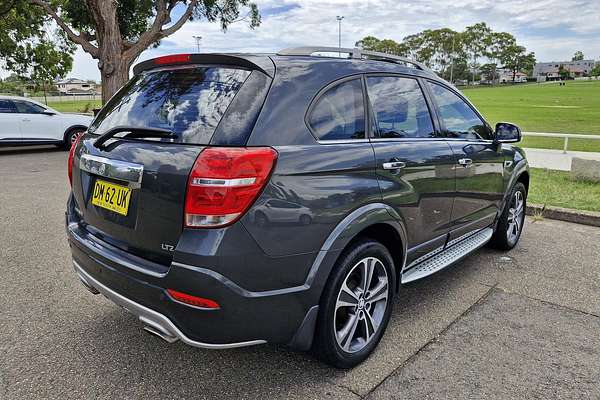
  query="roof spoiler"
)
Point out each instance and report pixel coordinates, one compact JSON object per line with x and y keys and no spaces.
{"x":355,"y":53}
{"x":263,"y":64}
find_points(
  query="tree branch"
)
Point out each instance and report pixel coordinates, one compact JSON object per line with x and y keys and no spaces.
{"x":79,"y":39}
{"x":163,"y":16}
{"x":182,"y":20}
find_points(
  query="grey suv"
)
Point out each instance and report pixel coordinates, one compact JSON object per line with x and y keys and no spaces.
{"x":233,"y":199}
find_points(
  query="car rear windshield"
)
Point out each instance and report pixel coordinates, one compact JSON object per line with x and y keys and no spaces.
{"x":189,"y":102}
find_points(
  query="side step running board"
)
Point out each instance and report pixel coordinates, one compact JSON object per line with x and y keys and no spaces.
{"x":448,"y":256}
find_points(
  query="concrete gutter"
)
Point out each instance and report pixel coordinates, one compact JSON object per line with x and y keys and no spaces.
{"x":565,"y":214}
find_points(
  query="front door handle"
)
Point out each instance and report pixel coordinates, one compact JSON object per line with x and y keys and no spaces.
{"x":465,"y":162}
{"x":393,"y":165}
{"x":26,"y":120}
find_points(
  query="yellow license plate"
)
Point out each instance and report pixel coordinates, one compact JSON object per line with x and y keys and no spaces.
{"x":112,"y":197}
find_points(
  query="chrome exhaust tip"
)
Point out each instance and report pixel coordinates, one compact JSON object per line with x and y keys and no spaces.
{"x":158,"y":330}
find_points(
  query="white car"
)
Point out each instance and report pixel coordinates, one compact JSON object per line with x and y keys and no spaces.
{"x":25,"y":122}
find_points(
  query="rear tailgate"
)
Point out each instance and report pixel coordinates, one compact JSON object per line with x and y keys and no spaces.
{"x":150,"y":218}
{"x":130,"y":192}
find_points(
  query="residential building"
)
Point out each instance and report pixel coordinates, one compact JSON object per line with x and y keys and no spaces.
{"x":74,"y":86}
{"x":550,"y":70}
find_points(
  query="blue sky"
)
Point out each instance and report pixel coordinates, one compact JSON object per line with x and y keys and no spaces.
{"x":554,"y":29}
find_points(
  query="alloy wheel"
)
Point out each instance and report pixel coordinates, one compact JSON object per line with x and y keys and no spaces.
{"x":361,"y":304}
{"x":516,"y":214}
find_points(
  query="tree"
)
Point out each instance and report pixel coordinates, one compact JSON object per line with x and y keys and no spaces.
{"x":27,"y":48}
{"x":564,"y":73}
{"x":117,"y":32}
{"x":578,"y":56}
{"x":596,"y":70}
{"x":489,"y":71}
{"x":515,"y":58}
{"x":387,"y":46}
{"x":477,"y":39}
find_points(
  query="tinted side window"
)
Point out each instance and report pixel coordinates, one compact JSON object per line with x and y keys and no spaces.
{"x":339,"y":113}
{"x":25,"y":107}
{"x":458,"y":117}
{"x":399,"y":107}
{"x":7,"y":106}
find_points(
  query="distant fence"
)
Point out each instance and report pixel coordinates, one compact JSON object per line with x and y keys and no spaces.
{"x":57,"y":99}
{"x":565,"y":136}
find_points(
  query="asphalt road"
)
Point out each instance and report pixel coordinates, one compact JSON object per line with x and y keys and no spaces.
{"x":518,"y":325}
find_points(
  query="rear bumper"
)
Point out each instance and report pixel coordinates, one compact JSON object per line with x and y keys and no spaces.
{"x":153,"y":321}
{"x":282,"y":316}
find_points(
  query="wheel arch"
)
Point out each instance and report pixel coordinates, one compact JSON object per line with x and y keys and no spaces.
{"x":71,"y":128}
{"x":524,"y":179}
{"x":377,"y":221}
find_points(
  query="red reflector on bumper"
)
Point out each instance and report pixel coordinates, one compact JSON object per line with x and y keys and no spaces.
{"x":195,"y":301}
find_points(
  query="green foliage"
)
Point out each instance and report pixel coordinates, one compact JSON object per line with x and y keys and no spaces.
{"x":456,"y":54}
{"x":563,"y":72}
{"x":596,"y":70}
{"x":516,"y":58}
{"x":134,"y":16}
{"x":26,"y":47}
{"x":578,"y":56}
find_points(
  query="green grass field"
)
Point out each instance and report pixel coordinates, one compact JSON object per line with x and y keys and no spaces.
{"x":573,"y":108}
{"x":75,"y":105}
{"x":557,"y":188}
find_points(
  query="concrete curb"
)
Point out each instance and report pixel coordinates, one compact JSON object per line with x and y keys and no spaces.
{"x":565,"y":214}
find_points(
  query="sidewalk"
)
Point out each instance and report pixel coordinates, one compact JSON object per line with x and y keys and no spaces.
{"x":556,"y":159}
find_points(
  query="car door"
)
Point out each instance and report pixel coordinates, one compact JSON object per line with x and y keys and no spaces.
{"x":479,"y":162}
{"x":10,"y":130}
{"x":415,"y":164}
{"x":35,"y":124}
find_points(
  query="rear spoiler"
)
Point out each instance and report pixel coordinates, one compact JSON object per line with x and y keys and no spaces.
{"x":261,"y":63}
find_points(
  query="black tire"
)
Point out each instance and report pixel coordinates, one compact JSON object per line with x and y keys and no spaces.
{"x":70,"y":137}
{"x":305,"y":219}
{"x":502,"y":239}
{"x":325,"y":344}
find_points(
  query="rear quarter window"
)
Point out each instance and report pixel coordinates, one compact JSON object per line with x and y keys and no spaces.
{"x":339,"y":114}
{"x":188,"y":101}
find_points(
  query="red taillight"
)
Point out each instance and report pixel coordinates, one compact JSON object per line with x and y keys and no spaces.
{"x":70,"y":161}
{"x":193,"y":300}
{"x":172,"y":59}
{"x":224,"y":183}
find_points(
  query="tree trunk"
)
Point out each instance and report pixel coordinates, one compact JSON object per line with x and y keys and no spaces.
{"x":115,"y":73}
{"x":113,"y":65}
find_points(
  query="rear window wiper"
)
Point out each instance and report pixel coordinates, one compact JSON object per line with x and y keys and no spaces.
{"x":134,"y":132}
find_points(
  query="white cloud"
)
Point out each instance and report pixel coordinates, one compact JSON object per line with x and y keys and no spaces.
{"x":554,"y":29}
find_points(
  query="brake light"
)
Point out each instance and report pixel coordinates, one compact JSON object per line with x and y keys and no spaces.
{"x":224,"y":183}
{"x":70,"y":160}
{"x":193,"y":300}
{"x":172,"y":59}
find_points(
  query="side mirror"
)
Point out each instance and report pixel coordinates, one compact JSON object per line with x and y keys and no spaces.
{"x":507,"y":133}
{"x":48,"y":112}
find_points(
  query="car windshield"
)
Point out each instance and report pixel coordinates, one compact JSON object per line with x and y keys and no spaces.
{"x":189,"y":102}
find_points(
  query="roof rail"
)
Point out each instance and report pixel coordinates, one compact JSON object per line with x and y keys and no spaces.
{"x":353,"y":53}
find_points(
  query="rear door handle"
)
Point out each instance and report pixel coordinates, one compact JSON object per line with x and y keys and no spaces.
{"x":393,"y":165}
{"x":466,"y":162}
{"x":26,"y":120}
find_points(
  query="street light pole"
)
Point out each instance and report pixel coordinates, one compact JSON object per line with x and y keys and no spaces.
{"x":198,"y":39}
{"x":452,"y":60}
{"x":340,"y":18}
